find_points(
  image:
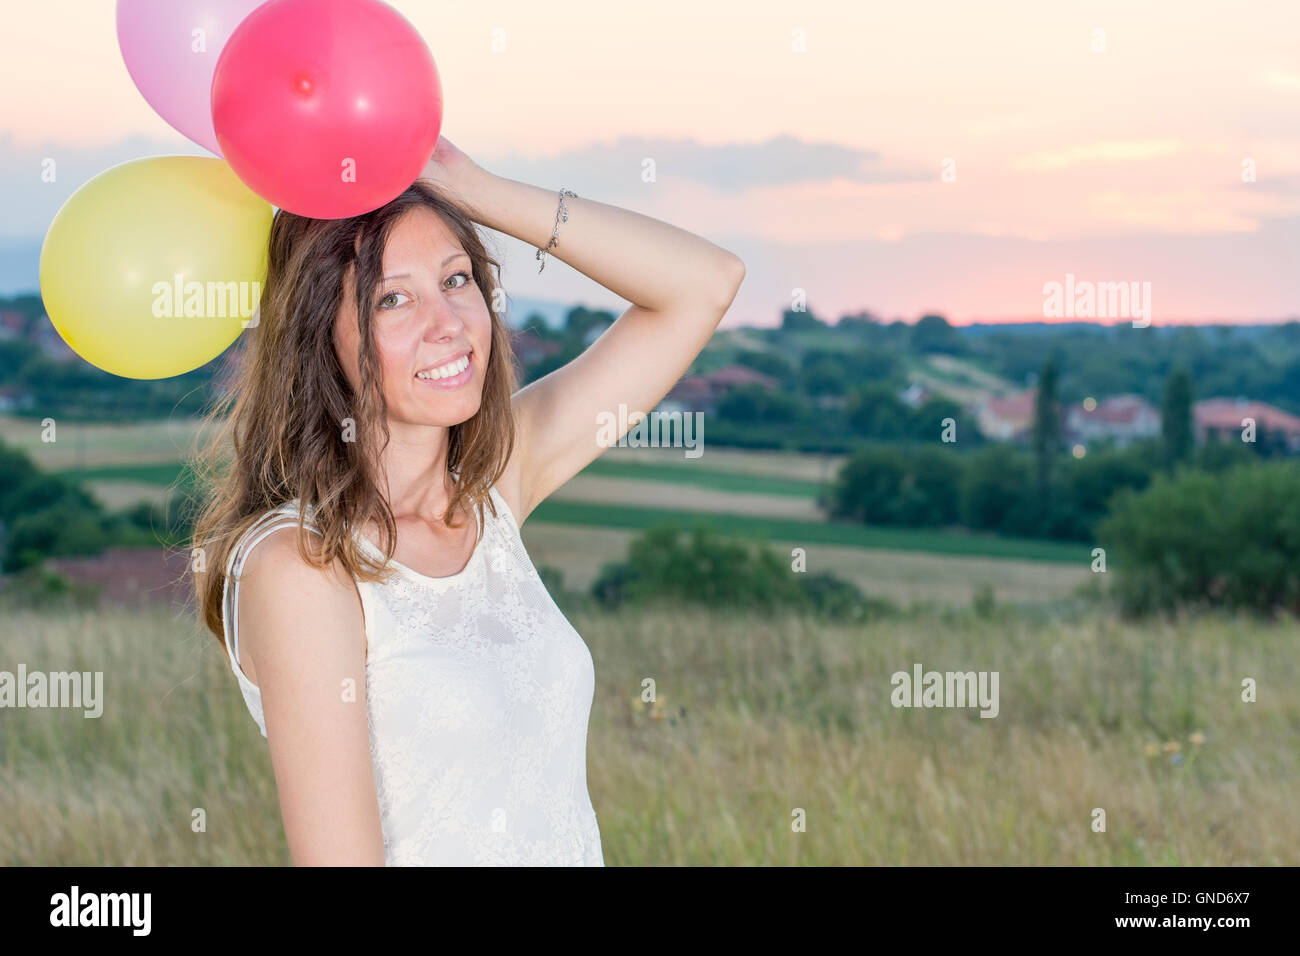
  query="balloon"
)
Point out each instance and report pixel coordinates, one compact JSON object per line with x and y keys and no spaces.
{"x":326,"y":108}
{"x":171,"y":48}
{"x":155,"y":266}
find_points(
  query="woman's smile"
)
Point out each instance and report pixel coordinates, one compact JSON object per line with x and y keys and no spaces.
{"x":448,"y":381}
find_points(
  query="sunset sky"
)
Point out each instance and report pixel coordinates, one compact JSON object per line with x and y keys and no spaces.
{"x":822,"y":168}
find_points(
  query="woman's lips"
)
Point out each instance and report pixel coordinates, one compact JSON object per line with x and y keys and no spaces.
{"x":456,"y":381}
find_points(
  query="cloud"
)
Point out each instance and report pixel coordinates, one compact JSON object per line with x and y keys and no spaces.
{"x":730,"y":168}
{"x":1103,"y":152}
{"x":611,"y":169}
{"x":30,"y":203}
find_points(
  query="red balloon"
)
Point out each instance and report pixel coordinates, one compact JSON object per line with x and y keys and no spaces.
{"x":326,"y":108}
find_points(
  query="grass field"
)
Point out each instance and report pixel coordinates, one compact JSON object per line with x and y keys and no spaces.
{"x":762,"y":717}
{"x":616,"y":463}
{"x":747,"y":493}
{"x":807,"y":533}
{"x":902,"y":577}
{"x":93,"y":445}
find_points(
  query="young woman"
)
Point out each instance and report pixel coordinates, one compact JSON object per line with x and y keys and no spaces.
{"x":423,"y":699}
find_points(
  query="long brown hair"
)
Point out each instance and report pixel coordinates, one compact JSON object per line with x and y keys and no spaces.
{"x":281,"y":426}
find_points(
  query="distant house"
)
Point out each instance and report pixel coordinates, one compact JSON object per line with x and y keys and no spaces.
{"x":51,"y":343}
{"x":12,"y":324}
{"x":1120,"y":418}
{"x":731,"y":376}
{"x":696,"y":393}
{"x":691,"y":394}
{"x":1224,"y":418}
{"x":915,"y":395}
{"x":1007,"y":417}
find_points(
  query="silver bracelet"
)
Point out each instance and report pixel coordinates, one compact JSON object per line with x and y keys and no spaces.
{"x":561,"y":215}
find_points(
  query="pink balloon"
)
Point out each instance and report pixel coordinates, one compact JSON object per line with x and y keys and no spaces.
{"x":327,"y":108}
{"x":171,"y":49}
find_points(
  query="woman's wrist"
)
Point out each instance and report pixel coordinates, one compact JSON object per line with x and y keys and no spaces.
{"x":463,"y":185}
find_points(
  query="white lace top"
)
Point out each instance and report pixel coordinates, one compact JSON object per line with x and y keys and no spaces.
{"x":478,"y":692}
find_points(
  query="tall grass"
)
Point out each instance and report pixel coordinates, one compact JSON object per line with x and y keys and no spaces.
{"x":756,"y":719}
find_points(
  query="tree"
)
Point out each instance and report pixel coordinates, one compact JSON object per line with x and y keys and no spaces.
{"x":1047,"y":425}
{"x":995,"y":490}
{"x":875,"y":411}
{"x":580,"y":320}
{"x":1176,"y":417}
{"x":754,"y":405}
{"x":824,"y":377}
{"x":1230,"y":539}
{"x":769,"y":363}
{"x":867,"y":486}
{"x":795,"y":320}
{"x":918,"y":486}
{"x":932,"y":333}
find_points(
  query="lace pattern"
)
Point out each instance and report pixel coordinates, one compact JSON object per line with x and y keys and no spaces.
{"x":478,"y":693}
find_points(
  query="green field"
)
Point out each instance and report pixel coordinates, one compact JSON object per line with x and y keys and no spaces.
{"x":674,"y":477}
{"x":165,"y":473}
{"x":813,"y":532}
{"x":761,"y":718}
{"x":704,"y":477}
{"x":156,"y":473}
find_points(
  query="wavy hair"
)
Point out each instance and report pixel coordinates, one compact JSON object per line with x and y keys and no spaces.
{"x":280,"y":427}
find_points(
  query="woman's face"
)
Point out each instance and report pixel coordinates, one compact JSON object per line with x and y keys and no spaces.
{"x":429,"y":318}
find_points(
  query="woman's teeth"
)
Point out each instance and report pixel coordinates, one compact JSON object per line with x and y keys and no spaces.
{"x":446,"y":371}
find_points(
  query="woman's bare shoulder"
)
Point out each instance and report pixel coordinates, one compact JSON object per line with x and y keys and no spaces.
{"x":288,"y":606}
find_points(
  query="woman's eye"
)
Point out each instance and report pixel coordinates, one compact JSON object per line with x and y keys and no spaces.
{"x":385,"y":299}
{"x":465,"y":275}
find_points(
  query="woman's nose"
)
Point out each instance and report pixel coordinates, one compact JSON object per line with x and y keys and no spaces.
{"x":441,"y":321}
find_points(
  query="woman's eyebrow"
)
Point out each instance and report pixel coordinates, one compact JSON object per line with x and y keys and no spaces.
{"x":407,"y":275}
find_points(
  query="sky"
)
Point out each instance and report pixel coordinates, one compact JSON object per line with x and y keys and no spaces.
{"x":898,"y":159}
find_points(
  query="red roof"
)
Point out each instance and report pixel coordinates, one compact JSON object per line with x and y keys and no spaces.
{"x":1116,"y":410}
{"x":1013,"y":407}
{"x":731,"y":375}
{"x":133,"y":576}
{"x":1228,"y":413}
{"x":691,"y":390}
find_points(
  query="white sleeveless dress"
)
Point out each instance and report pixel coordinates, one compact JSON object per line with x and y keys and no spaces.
{"x":478,"y":693}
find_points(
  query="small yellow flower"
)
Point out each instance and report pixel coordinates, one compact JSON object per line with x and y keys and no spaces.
{"x":1172,"y":747}
{"x":1153,"y":749}
{"x":1197,"y":739}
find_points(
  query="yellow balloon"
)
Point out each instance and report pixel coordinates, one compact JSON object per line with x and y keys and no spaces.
{"x":155,"y":266}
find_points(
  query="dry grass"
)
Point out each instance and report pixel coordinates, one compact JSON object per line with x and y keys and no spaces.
{"x":769,"y":464}
{"x":93,"y":445}
{"x":662,"y":494}
{"x":780,"y":715}
{"x":115,"y":495}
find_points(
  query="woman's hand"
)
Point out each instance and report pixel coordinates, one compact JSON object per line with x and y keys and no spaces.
{"x":449,"y":167}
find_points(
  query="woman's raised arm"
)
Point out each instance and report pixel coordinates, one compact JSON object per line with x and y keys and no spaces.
{"x":680,"y":286}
